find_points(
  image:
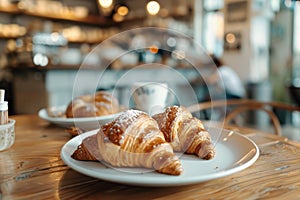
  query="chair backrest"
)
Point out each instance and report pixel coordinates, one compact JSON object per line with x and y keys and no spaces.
{"x":238,"y":106}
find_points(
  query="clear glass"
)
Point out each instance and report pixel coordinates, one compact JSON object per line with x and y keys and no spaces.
{"x":7,"y":135}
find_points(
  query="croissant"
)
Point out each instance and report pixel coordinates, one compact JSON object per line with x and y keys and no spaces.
{"x":88,"y":150}
{"x":133,"y":139}
{"x":184,"y":132}
{"x":99,"y":104}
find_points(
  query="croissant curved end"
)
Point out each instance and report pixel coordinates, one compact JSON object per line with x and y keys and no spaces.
{"x":207,"y":151}
{"x":174,"y":169}
{"x":168,"y":163}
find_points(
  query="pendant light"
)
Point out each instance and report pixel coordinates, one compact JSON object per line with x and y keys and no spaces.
{"x":153,"y":7}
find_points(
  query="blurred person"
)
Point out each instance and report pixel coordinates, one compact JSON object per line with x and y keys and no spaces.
{"x":223,"y":82}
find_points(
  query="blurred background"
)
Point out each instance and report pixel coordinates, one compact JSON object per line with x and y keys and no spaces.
{"x":43,"y":44}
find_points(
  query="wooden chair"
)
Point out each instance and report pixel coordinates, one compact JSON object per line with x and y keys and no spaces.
{"x":238,"y":106}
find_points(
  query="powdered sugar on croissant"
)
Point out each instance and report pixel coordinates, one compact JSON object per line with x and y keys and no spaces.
{"x":133,"y":139}
{"x":184,"y":132}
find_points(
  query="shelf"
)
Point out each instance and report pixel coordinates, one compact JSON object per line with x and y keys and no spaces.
{"x":10,"y":10}
{"x":85,"y":41}
{"x":2,"y":37}
{"x":50,"y":66}
{"x":91,"y":19}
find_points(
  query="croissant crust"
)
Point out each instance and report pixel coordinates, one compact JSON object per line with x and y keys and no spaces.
{"x":99,"y":104}
{"x":133,"y":139}
{"x":184,"y":132}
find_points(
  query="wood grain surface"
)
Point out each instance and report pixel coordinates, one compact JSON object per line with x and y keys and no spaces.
{"x":32,"y":169}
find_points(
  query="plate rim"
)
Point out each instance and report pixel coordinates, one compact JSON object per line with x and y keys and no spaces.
{"x":162,"y":182}
{"x":43,"y":114}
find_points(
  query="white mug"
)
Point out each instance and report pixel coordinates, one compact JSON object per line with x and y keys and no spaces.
{"x":150,"y":97}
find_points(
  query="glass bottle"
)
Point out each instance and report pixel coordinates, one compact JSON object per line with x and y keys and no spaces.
{"x":3,"y":109}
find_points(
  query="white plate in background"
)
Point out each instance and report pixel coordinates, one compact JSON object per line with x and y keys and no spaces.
{"x":234,"y":153}
{"x":85,"y":123}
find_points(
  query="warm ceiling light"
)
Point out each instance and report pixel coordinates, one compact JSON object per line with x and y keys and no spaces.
{"x":230,"y":38}
{"x":122,"y":10}
{"x":153,"y":7}
{"x":105,"y":3}
{"x":153,"y":49}
{"x":118,"y":18}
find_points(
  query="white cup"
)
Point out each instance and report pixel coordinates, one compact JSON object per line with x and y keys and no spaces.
{"x":150,"y":97}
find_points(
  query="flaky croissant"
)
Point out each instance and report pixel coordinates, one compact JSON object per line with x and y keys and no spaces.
{"x":88,"y":150}
{"x":184,"y":132}
{"x":99,"y":104}
{"x":133,"y":139}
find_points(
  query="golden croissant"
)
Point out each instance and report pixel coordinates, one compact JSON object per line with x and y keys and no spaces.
{"x":99,"y":104}
{"x":133,"y":139}
{"x":184,"y":132}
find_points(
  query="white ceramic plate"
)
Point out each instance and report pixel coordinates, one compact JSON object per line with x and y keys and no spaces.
{"x":234,"y":153}
{"x":85,"y":123}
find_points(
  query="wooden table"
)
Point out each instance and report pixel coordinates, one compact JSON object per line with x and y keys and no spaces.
{"x":32,"y":169}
